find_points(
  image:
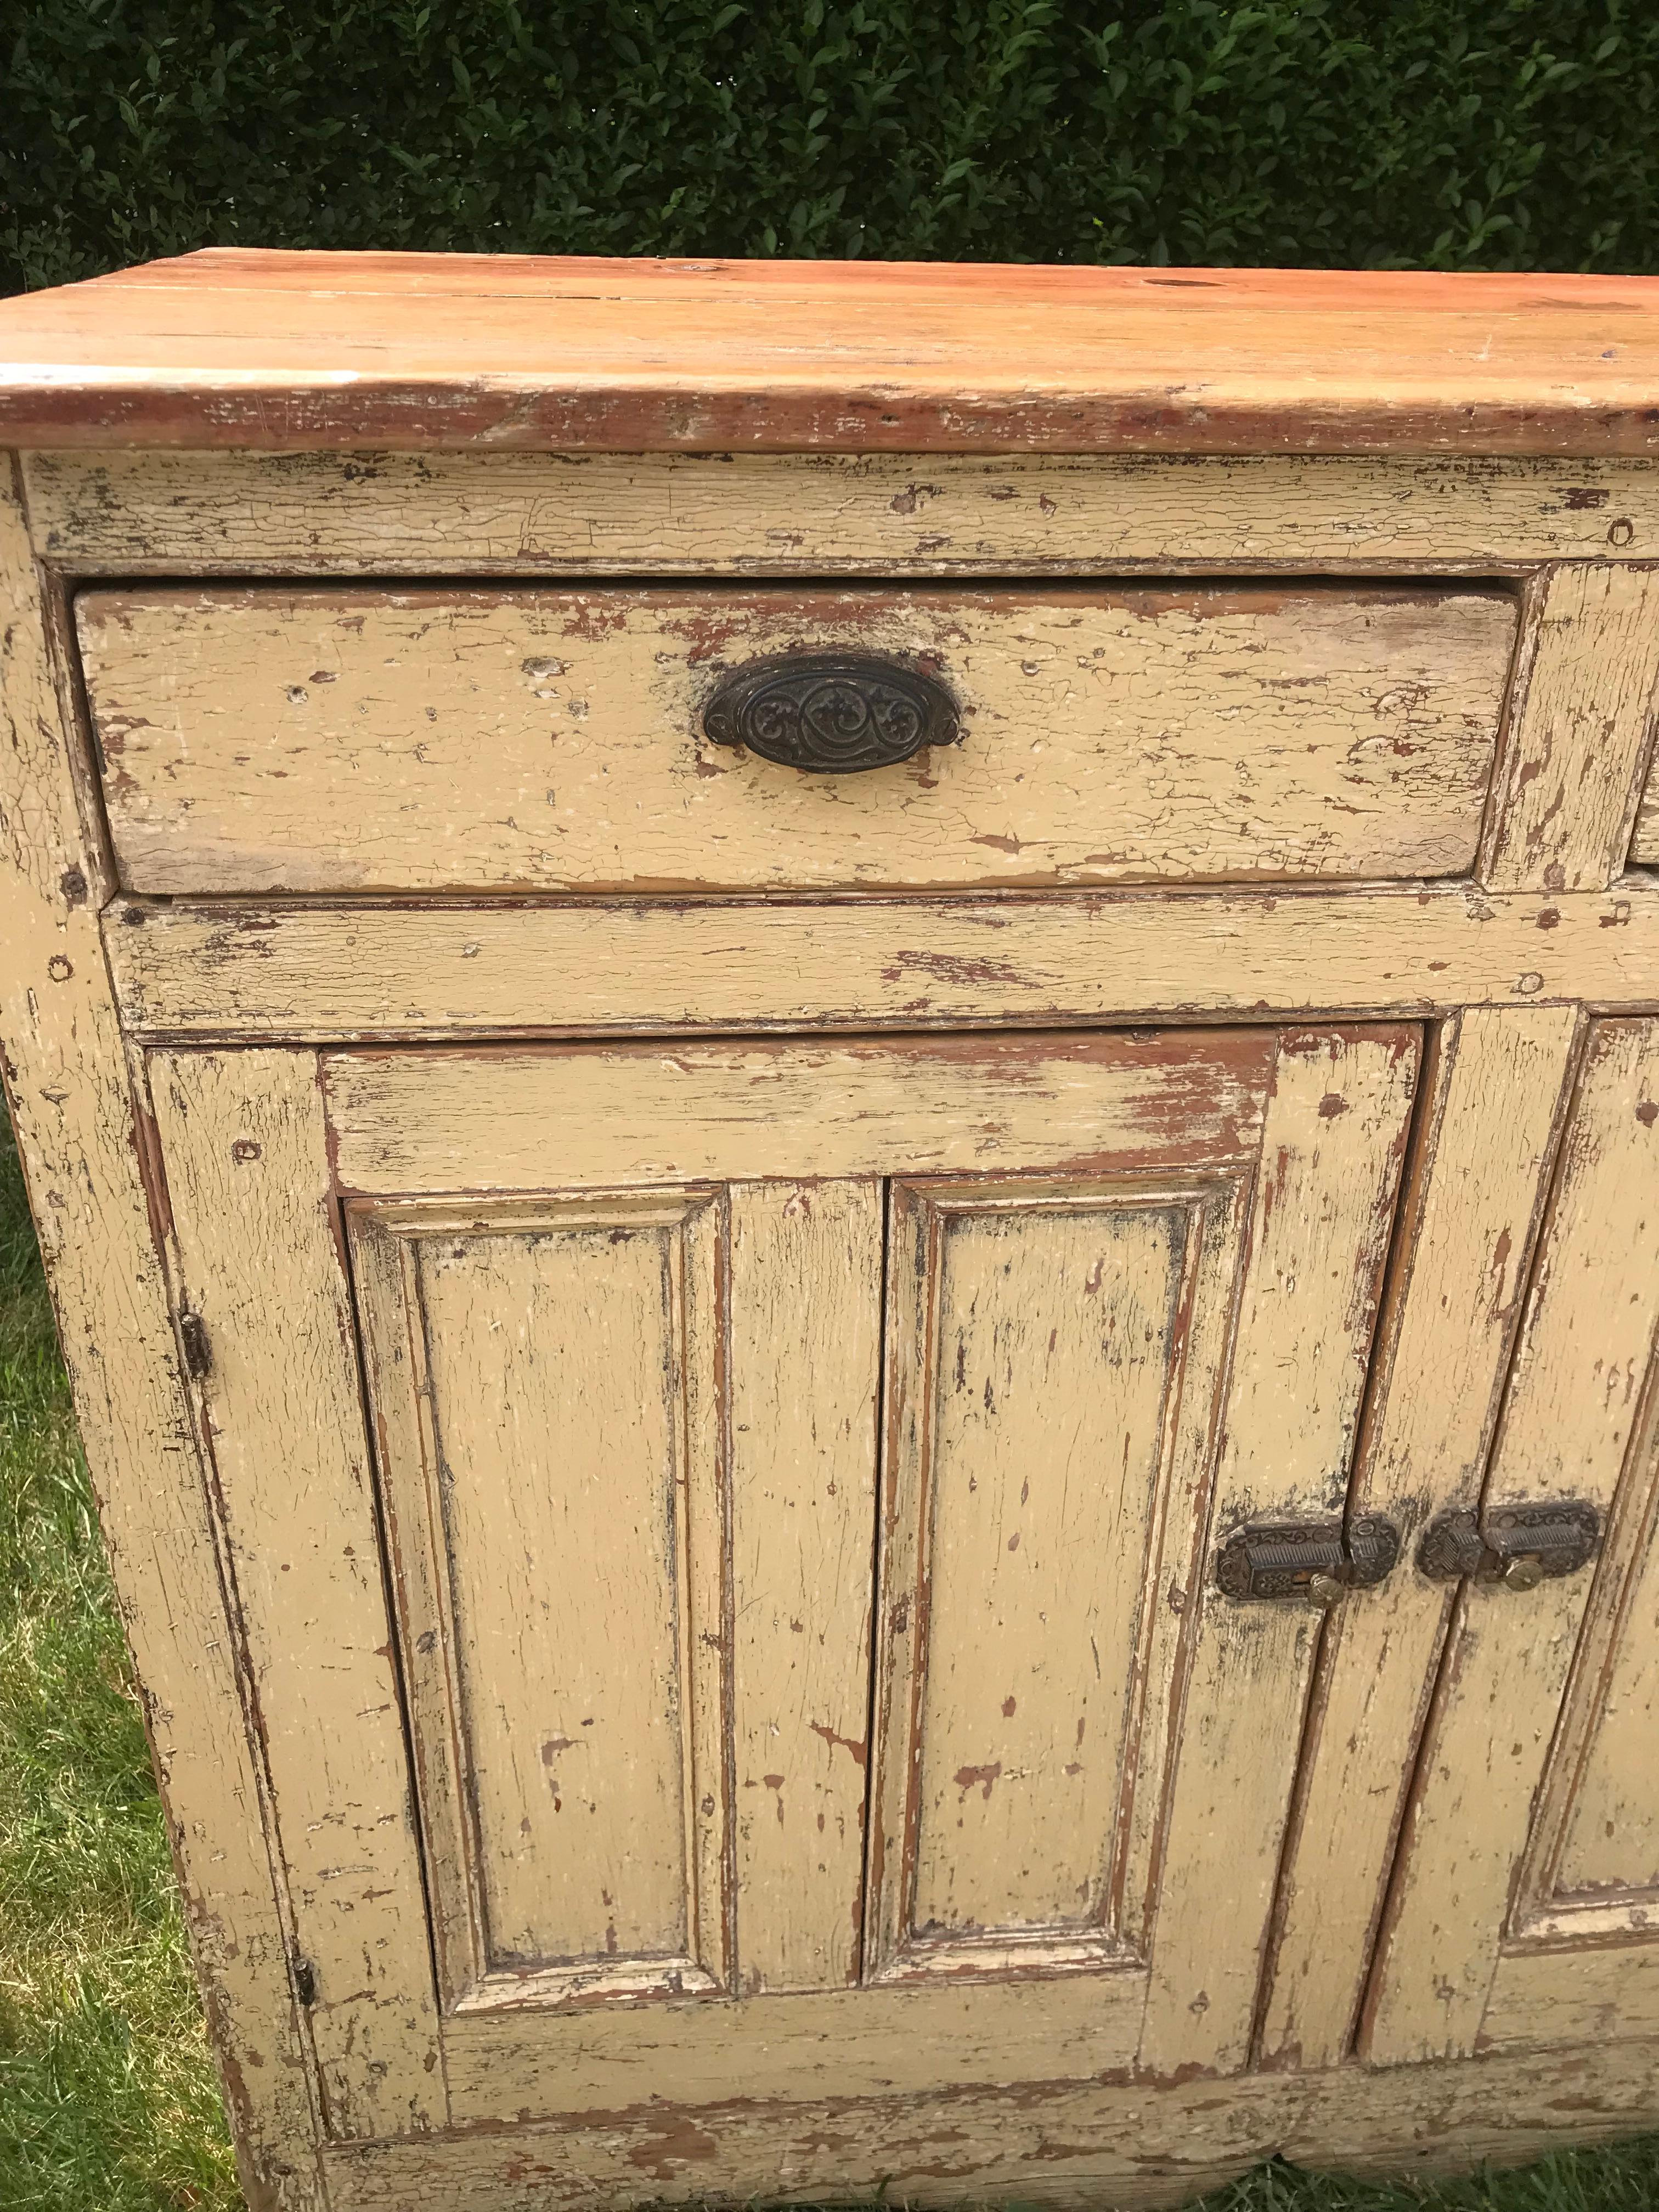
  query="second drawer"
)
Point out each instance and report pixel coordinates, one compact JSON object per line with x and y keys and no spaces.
{"x":269,"y":738}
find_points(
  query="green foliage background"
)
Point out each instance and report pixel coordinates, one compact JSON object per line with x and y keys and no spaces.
{"x":1499,"y":134}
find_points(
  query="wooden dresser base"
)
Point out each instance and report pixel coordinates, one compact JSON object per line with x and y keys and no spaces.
{"x":1084,"y":2144}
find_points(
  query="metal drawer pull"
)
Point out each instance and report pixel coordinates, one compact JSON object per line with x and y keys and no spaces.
{"x":831,"y":713}
{"x":1519,"y":1546}
{"x":1313,"y":1560}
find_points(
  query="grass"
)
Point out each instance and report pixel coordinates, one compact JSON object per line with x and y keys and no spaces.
{"x":108,"y":2100}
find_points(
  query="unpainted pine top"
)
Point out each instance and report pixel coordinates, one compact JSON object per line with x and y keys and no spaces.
{"x":289,"y":351}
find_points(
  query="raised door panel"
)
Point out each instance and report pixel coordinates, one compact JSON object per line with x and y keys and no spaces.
{"x":543,"y":1383}
{"x":1526,"y":1893}
{"x":679,"y":1361}
{"x":1054,"y":1372}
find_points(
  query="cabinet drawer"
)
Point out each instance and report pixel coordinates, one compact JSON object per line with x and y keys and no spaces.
{"x":269,"y":738}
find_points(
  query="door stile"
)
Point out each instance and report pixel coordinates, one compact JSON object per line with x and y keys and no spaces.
{"x":870,"y":1892}
{"x":379,"y":1268}
{"x":257,"y":1235}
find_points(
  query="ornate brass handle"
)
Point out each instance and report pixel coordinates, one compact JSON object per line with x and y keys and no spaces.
{"x":831,"y":713}
{"x":1519,"y":1546}
{"x":1312,"y":1561}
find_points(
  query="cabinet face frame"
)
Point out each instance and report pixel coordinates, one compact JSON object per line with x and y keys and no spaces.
{"x":85,"y":1135}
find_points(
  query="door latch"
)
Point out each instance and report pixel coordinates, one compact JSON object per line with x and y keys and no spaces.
{"x":1517,"y":1546}
{"x":1314,"y":1561}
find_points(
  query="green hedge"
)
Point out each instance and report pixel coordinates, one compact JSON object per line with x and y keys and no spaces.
{"x":1515,"y":134}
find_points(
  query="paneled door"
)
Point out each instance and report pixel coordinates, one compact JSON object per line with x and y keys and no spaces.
{"x":1525,"y":1903}
{"x":726,"y":1535}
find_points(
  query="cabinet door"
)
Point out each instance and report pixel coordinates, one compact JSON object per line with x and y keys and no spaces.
{"x":1525,"y":1903}
{"x":684,"y":1364}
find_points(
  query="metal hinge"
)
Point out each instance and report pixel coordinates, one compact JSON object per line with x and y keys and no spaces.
{"x":1518,"y":1545}
{"x":305,"y":1981}
{"x":193,"y":1336}
{"x":1314,"y":1561}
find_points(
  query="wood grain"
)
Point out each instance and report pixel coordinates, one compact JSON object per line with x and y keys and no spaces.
{"x":1487,"y":1132}
{"x":1585,"y":1348}
{"x":1581,"y":731}
{"x":876,"y":2040}
{"x":265,"y":740}
{"x":233,"y":346}
{"x":1332,"y":1152}
{"x":238,"y":514}
{"x":206,"y":972}
{"x":82,"y":1137}
{"x":1544,"y":1999}
{"x":244,"y":1150}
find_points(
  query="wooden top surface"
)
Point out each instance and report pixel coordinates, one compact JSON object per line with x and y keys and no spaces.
{"x":291,"y":350}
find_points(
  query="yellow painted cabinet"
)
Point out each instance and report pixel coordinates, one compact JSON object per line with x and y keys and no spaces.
{"x":751,"y":1418}
{"x":764,"y":1634}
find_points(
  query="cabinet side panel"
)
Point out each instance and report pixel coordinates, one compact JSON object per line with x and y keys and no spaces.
{"x":80,"y":1143}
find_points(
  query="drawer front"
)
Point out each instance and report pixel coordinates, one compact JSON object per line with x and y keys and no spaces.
{"x":265,"y":738}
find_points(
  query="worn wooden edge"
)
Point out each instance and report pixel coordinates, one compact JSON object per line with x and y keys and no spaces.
{"x":115,"y":513}
{"x":231,"y":342}
{"x":1084,"y":2145}
{"x":392,"y":969}
{"x":100,"y":1203}
{"x":420,"y":414}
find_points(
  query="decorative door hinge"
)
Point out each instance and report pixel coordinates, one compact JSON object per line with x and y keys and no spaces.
{"x":1517,"y":1546}
{"x":1314,"y":1560}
